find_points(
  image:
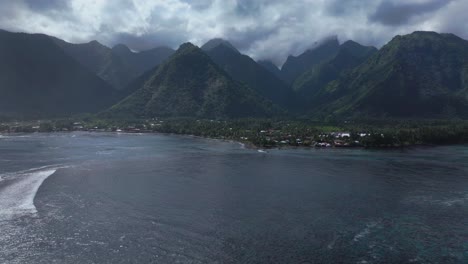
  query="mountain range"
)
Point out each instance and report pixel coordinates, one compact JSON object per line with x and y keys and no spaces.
{"x":295,"y":66}
{"x":38,"y":77}
{"x":419,"y":75}
{"x":190,"y":84}
{"x":118,"y":65}
{"x":311,"y":83}
{"x":244,"y":69}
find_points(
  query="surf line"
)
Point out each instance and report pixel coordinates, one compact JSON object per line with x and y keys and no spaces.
{"x":17,"y":197}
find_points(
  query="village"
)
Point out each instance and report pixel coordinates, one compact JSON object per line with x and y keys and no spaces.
{"x":254,"y":136}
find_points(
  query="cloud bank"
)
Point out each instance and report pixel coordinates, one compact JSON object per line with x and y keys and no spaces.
{"x":263,"y":29}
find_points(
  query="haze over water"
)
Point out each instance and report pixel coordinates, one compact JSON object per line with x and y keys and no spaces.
{"x":119,"y":198}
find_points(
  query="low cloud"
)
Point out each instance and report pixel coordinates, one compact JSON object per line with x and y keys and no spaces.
{"x":395,"y":13}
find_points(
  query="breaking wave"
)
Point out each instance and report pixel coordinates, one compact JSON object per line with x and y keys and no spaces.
{"x":17,"y":191}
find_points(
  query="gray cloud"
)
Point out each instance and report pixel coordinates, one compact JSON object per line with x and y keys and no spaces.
{"x":148,"y":41}
{"x":392,"y":13}
{"x":45,"y":5}
{"x":338,"y":7}
{"x":263,"y":29}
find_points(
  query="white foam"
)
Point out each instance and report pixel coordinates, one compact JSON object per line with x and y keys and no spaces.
{"x":366,"y":231}
{"x":455,"y":201}
{"x":17,"y":197}
{"x":15,"y":136}
{"x":459,"y":199}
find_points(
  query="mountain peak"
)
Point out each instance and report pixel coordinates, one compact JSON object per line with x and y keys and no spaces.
{"x":350,"y":43}
{"x":427,"y":33}
{"x":423,"y":78}
{"x":29,"y":60}
{"x":190,"y":84}
{"x":121,"y":48}
{"x":423,"y":35}
{"x":217,"y":42}
{"x":322,"y":51}
{"x":330,"y":42}
{"x":423,"y":40}
{"x":357,"y":49}
{"x":95,"y":43}
{"x":186,"y":47}
{"x":434,"y":35}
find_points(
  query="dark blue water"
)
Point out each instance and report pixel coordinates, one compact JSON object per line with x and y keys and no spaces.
{"x":110,"y":198}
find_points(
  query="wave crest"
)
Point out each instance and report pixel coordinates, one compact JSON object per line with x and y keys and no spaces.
{"x":18,"y":192}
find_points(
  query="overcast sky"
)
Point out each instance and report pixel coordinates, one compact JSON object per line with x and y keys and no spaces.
{"x":263,"y":29}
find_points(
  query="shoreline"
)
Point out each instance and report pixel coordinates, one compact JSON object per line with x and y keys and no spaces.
{"x":270,"y":133}
{"x":245,"y":144}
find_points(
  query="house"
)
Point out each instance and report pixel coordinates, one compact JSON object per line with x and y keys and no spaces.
{"x":342,"y":135}
{"x":322,"y":145}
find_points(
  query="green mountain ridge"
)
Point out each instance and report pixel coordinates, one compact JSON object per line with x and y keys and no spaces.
{"x":244,"y":69}
{"x":190,"y":84}
{"x":271,"y":67}
{"x":118,"y":65}
{"x":38,"y":78}
{"x":296,"y":66}
{"x":213,"y":43}
{"x":310,"y":85}
{"x":420,"y":75}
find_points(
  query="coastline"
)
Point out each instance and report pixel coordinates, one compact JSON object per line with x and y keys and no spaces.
{"x":245,"y":144}
{"x":271,"y":133}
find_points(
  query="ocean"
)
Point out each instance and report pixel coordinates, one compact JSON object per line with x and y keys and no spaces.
{"x":149,"y":198}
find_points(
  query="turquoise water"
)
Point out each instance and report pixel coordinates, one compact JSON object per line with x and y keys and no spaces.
{"x":120,"y":198}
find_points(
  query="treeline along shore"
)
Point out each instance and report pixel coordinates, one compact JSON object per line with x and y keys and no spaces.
{"x":270,"y":133}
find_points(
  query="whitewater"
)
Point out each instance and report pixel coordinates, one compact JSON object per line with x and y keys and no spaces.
{"x":18,"y":189}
